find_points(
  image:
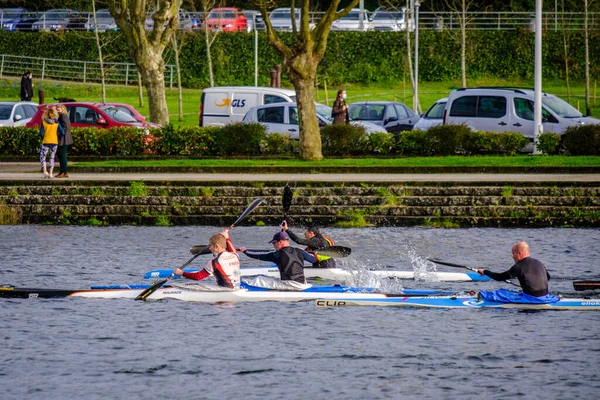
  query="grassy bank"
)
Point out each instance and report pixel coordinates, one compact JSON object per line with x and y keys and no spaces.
{"x":454,"y":161}
{"x":429,"y":92}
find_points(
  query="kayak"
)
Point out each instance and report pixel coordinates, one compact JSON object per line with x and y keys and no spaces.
{"x":586,"y":285}
{"x":342,"y":275}
{"x":204,"y":293}
{"x":457,"y":302}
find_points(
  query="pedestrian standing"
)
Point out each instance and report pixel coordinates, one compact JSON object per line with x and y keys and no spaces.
{"x":340,"y":109}
{"x":49,"y":132}
{"x":26,"y":86}
{"x":64,"y":141}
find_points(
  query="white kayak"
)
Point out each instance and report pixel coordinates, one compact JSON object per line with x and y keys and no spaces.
{"x":342,"y":275}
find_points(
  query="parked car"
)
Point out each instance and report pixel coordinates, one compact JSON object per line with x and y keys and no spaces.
{"x":17,"y":19}
{"x":394,"y":117}
{"x":16,"y":113}
{"x":226,"y":19}
{"x":226,"y":104}
{"x":283,"y":118}
{"x":104,"y":20}
{"x":510,"y":110}
{"x":187,"y":21}
{"x":91,"y":115}
{"x":433,"y":116}
{"x":281,"y":19}
{"x":129,"y":109}
{"x":53,"y":20}
{"x":352,"y":21}
{"x":384,"y":20}
{"x":252,"y":17}
{"x":77,"y":21}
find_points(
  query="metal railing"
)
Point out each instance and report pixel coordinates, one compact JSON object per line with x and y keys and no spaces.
{"x":73,"y":70}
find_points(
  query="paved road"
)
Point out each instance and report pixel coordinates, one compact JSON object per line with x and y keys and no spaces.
{"x":30,"y":171}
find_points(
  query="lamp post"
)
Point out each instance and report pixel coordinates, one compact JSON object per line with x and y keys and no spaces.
{"x":416,"y":94}
{"x":537,"y":102}
{"x":255,"y":50}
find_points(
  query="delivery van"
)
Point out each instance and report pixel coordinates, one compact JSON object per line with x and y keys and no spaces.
{"x":228,"y":104}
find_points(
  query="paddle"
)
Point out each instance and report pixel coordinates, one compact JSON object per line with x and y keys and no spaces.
{"x":286,"y":201}
{"x":332,"y":251}
{"x":449,"y":264}
{"x":200,"y":250}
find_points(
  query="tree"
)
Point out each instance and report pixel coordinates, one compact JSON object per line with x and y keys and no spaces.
{"x":146,"y":48}
{"x":300,"y":60}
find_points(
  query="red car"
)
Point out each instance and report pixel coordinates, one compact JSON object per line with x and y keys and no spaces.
{"x":129,"y":109}
{"x":98,"y":115}
{"x":227,"y":19}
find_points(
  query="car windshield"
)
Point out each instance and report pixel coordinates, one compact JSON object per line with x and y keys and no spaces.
{"x":366,"y":112}
{"x":324,"y":111}
{"x":222,"y":15}
{"x":436,"y":111}
{"x":352,"y":16}
{"x":56,"y":15}
{"x":284,"y":15}
{"x":5,"y":110}
{"x":560,"y":107}
{"x":10,"y":14}
{"x":103,"y":14}
{"x":384,"y":16}
{"x":117,"y":114}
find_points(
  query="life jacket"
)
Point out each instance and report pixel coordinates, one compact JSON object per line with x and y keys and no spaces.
{"x":226,"y":269}
{"x":291,"y":265}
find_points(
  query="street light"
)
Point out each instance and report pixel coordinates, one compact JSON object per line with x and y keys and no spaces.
{"x":416,"y":94}
{"x":537,"y":102}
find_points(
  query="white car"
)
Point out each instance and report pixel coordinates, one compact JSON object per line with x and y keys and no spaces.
{"x":384,"y":20}
{"x":351,"y":21}
{"x":433,"y":116}
{"x":16,"y":113}
{"x":282,"y":118}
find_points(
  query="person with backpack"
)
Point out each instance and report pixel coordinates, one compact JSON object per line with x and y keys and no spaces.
{"x":313,"y":240}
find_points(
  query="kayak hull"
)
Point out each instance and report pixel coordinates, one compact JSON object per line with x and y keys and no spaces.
{"x":458,"y":302}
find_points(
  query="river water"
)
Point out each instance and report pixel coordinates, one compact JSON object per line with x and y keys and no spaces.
{"x":124,"y":349}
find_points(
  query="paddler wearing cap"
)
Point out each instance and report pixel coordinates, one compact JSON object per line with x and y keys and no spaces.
{"x":289,"y":261}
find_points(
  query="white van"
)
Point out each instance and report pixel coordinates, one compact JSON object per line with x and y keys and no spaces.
{"x":496,"y":109}
{"x":220,"y":106}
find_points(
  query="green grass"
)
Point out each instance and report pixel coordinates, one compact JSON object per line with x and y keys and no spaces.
{"x":429,"y":92}
{"x":472,"y":161}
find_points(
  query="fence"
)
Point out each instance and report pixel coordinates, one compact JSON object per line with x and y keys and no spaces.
{"x":73,"y":70}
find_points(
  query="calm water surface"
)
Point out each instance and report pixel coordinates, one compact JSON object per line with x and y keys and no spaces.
{"x":123,"y":349}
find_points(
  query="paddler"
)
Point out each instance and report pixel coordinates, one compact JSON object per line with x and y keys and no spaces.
{"x":313,"y":240}
{"x":531,"y":273}
{"x":289,"y":260}
{"x":225,"y":266}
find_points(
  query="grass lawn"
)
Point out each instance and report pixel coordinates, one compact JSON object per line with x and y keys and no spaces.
{"x":473,"y":161}
{"x":429,"y":92}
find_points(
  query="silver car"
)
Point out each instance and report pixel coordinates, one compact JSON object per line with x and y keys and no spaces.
{"x":433,"y":116}
{"x":16,"y":113}
{"x":53,"y":20}
{"x":281,"y":19}
{"x":391,"y":21}
{"x":105,"y":22}
{"x":352,"y":21}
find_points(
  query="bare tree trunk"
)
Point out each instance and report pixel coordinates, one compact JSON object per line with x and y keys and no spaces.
{"x":586,"y":33}
{"x":140,"y":90}
{"x":566,"y":52}
{"x":408,"y":19}
{"x":179,"y":88}
{"x":100,"y":57}
{"x":211,"y":78}
{"x":152,"y":69}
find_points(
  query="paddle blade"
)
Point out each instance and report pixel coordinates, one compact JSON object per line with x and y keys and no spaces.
{"x":449,"y":264}
{"x":334,"y":252}
{"x":200,"y":249}
{"x":144,"y":295}
{"x":255,"y":203}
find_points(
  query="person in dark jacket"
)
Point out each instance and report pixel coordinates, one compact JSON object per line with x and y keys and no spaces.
{"x":313,"y":240}
{"x":26,"y":86}
{"x":289,"y":260}
{"x":64,"y":141}
{"x":531,"y":273}
{"x":340,"y":109}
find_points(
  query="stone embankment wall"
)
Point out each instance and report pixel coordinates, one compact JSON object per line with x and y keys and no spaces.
{"x":437,"y":204}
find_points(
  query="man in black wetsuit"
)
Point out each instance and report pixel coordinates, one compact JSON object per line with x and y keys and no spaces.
{"x":313,"y":240}
{"x":531,"y":273}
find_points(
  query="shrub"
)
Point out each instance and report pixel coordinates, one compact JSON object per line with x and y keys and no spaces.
{"x":239,"y":138}
{"x":19,"y":140}
{"x":511,"y":142}
{"x":185,"y":140}
{"x":412,"y":143}
{"x":381,"y":142}
{"x":443,"y":140}
{"x":343,"y":140}
{"x":583,"y":140}
{"x":276,"y":143}
{"x":548,"y":143}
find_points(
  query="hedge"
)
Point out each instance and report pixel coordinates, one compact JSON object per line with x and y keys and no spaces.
{"x":351,"y":57}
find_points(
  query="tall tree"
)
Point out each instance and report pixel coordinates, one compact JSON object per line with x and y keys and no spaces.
{"x":301,"y":59}
{"x":146,"y":47}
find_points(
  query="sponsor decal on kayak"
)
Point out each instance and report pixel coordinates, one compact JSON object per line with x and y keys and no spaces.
{"x":330,"y":303}
{"x":590,"y":303}
{"x":7,"y":288}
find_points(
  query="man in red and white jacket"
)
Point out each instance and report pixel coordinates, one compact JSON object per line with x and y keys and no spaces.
{"x":225,"y":266}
